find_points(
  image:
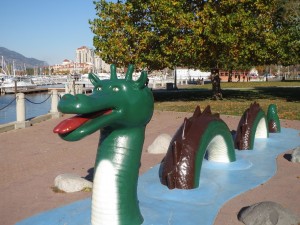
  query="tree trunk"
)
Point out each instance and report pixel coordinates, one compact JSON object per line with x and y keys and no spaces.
{"x":216,"y":84}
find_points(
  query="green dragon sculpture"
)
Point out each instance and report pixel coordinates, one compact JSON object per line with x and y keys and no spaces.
{"x":120,"y":108}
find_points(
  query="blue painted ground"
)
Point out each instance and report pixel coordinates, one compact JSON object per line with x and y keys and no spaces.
{"x":219,"y":182}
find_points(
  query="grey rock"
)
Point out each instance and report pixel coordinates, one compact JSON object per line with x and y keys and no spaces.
{"x":160,"y":144}
{"x":267,"y":213}
{"x":71,"y":183}
{"x":296,"y":155}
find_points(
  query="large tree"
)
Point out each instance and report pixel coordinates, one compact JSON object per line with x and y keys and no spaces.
{"x":199,"y":34}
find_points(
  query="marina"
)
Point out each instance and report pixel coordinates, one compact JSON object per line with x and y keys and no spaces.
{"x":29,"y":84}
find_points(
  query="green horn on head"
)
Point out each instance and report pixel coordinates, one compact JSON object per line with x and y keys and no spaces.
{"x":113,"y":72}
{"x":141,"y":82}
{"x":94,"y":79}
{"x":129,"y":72}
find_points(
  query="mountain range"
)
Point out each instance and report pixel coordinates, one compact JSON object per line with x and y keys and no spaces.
{"x":19,"y":60}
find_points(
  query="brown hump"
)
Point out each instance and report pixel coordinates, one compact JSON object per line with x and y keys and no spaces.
{"x":244,"y":129}
{"x":178,"y":167}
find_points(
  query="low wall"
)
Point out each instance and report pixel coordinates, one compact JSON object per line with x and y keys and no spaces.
{"x":21,"y":121}
{"x":19,"y":125}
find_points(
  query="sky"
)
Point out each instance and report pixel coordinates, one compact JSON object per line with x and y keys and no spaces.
{"x":48,"y":30}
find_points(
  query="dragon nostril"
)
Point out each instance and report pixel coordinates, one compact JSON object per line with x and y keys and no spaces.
{"x":68,"y":97}
{"x":65,"y":97}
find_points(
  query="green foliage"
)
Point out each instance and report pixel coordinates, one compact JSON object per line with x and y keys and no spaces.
{"x":240,"y":34}
{"x":287,"y":20}
{"x":156,"y":34}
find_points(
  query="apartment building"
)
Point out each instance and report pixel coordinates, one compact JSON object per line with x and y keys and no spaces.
{"x":87,"y":55}
{"x":86,"y":61}
{"x":84,"y":55}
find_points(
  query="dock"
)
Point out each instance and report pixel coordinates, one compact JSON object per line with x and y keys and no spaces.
{"x":28,"y":91}
{"x":38,"y":90}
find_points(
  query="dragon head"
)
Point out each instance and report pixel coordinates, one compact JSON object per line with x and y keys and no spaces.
{"x":115,"y":103}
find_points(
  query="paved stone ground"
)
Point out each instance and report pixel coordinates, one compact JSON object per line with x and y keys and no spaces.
{"x":31,"y":158}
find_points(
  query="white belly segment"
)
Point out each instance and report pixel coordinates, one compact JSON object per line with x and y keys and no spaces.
{"x":105,"y":195}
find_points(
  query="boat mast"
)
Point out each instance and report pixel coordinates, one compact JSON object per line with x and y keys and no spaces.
{"x":14,"y":71}
{"x":2,"y":64}
{"x":25,"y":69}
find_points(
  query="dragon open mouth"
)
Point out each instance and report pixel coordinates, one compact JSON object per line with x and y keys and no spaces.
{"x":68,"y":125}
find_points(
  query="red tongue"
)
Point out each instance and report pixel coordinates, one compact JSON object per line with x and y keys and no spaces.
{"x":73,"y":123}
{"x":70,"y":124}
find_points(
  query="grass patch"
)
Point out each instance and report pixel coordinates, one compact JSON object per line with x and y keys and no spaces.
{"x":236,"y":100}
{"x":57,"y":190}
{"x":87,"y":189}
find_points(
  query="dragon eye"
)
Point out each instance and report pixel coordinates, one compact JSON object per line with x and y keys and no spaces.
{"x":99,"y":88}
{"x":115,"y":89}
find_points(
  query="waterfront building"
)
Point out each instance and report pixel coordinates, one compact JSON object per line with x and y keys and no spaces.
{"x":88,"y":55}
{"x":84,"y":55}
{"x":100,"y":65}
{"x":86,"y":61}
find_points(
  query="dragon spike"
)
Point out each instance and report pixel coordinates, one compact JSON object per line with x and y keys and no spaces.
{"x":141,"y":82}
{"x":207,"y":110}
{"x":94,"y":79}
{"x":197,"y":112}
{"x":113,"y":72}
{"x":185,"y":127}
{"x":129,"y":72}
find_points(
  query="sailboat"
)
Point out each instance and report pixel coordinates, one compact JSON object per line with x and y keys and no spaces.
{"x":3,"y":73}
{"x":9,"y":83}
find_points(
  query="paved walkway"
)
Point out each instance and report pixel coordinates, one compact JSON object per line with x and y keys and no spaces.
{"x":31,"y":158}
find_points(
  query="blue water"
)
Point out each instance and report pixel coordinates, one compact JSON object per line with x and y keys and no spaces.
{"x":32,"y":105}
